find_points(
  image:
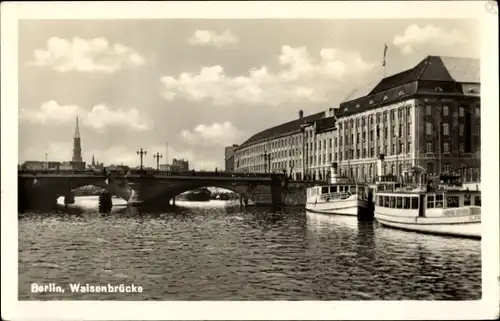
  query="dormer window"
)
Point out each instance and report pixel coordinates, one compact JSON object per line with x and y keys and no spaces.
{"x":371,"y":102}
{"x":438,"y":89}
{"x":401,"y":93}
{"x":472,"y":91}
{"x":345,"y":109}
{"x":385,"y":98}
{"x":357,"y":106}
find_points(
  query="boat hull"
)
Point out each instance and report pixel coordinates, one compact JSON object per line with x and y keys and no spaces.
{"x":466,"y":226}
{"x":352,"y":207}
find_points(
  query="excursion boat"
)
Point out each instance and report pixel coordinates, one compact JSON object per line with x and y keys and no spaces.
{"x":445,"y":208}
{"x":341,"y":196}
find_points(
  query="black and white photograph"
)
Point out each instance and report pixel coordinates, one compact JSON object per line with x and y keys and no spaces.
{"x":231,"y":152}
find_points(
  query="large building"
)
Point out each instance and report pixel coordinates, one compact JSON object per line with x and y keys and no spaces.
{"x":427,"y":116}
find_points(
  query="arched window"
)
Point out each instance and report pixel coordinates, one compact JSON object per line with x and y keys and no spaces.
{"x":438,"y":89}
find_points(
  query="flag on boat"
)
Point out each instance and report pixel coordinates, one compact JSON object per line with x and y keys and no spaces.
{"x":385,"y":54}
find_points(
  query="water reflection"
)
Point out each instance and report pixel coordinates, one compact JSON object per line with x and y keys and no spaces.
{"x":213,"y":252}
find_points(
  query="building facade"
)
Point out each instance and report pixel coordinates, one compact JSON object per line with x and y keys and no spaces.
{"x":229,"y":158}
{"x":428,"y":116}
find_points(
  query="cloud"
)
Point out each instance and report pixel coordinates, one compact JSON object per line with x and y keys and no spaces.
{"x":415,"y":37}
{"x":217,"y":134}
{"x":99,"y":118}
{"x":300,"y":77}
{"x":210,"y":38}
{"x":86,"y":55}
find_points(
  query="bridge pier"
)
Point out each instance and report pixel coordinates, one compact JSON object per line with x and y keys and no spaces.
{"x":69,"y":198}
{"x":30,"y":200}
{"x":173,"y":201}
{"x":105,"y":202}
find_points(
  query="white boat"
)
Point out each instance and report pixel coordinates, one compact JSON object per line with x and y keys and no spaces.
{"x":341,"y":196}
{"x":444,"y":210}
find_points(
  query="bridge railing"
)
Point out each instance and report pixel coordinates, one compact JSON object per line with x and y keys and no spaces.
{"x":151,"y":173}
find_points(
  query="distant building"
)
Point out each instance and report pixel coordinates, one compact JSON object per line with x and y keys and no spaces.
{"x":39,"y":165}
{"x":179,"y":165}
{"x":165,"y":167}
{"x":229,"y":158}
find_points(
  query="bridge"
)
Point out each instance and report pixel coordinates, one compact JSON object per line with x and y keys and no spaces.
{"x":41,"y":188}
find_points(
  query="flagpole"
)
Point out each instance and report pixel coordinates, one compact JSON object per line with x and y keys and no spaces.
{"x":384,"y":62}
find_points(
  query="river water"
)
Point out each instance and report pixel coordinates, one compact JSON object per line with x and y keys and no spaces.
{"x":212,"y":251}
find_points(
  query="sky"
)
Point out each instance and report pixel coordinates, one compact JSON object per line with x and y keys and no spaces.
{"x":198,"y":85}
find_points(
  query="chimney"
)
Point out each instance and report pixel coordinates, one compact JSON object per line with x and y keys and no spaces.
{"x":301,"y":114}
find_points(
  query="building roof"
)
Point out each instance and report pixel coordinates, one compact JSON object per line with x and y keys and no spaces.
{"x":282,"y":129}
{"x":434,"y":68}
{"x":432,"y":71}
{"x":325,"y":124}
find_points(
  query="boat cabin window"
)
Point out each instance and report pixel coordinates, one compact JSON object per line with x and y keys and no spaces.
{"x":324,"y":190}
{"x":341,"y":189}
{"x":452,"y":201}
{"x":380,"y":200}
{"x":353,"y":189}
{"x":380,"y":188}
{"x":467,"y":200}
{"x":414,"y":203}
{"x":386,"y":201}
{"x":439,"y":200}
{"x":406,"y":203}
{"x":399,"y":202}
{"x":393,"y":202}
{"x":333,"y":189}
{"x":477,"y":200}
{"x":430,"y":201}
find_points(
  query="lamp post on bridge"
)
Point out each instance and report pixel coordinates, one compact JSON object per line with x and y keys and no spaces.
{"x":157,"y":156}
{"x":267,"y":158}
{"x":141,"y":153}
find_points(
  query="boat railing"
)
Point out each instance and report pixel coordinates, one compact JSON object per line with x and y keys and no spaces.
{"x":336,"y":196}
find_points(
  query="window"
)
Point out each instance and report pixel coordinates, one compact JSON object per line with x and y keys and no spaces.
{"x":408,"y":129}
{"x":461,"y":149}
{"x":385,"y":98}
{"x":461,"y":112}
{"x":393,"y":114}
{"x":445,"y":111}
{"x":392,"y":201}
{"x":428,"y":110}
{"x":409,"y":147}
{"x":333,"y":189}
{"x":446,"y":147}
{"x":477,"y":200}
{"x":461,"y":129}
{"x":446,"y":129}
{"x":430,"y":201}
{"x":429,"y":148}
{"x":467,"y":200}
{"x":428,"y":128}
{"x":399,"y":202}
{"x":477,"y":112}
{"x":447,"y":167}
{"x":452,"y":201}
{"x":406,"y":203}
{"x":414,"y":203}
{"x":439,"y":200}
{"x":408,"y":112}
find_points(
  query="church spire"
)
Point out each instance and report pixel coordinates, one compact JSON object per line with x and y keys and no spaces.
{"x":77,"y":129}
{"x":77,"y":145}
{"x":93,"y":161}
